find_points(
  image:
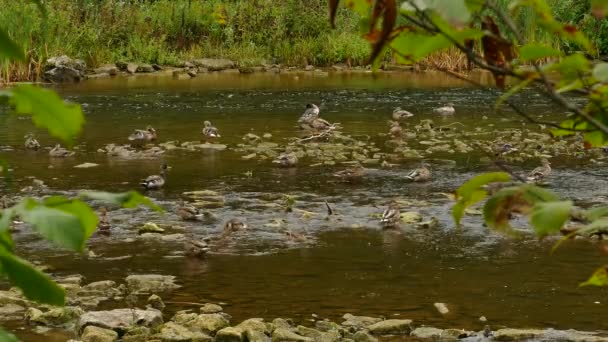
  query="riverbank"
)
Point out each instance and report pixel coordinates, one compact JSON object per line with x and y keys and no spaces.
{"x":147,"y":318}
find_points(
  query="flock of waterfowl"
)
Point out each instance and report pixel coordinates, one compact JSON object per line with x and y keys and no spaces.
{"x":309,"y":121}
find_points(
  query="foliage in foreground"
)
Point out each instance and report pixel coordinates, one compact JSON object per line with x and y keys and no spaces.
{"x":487,"y":34}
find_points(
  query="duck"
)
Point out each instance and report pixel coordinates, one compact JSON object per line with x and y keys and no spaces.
{"x":504,"y":149}
{"x":209,"y":132}
{"x":196,"y":248}
{"x":188,"y":212}
{"x":156,"y":181}
{"x":141,"y":136}
{"x":350,"y":174}
{"x":539,"y":173}
{"x":421,"y":174}
{"x":401,"y":114}
{"x":395,"y":131}
{"x":104,"y":226}
{"x":286,"y":160}
{"x":311,"y":113}
{"x":31,"y":143}
{"x":391,"y":215}
{"x":445,"y":110}
{"x":233,"y":225}
{"x":60,"y":152}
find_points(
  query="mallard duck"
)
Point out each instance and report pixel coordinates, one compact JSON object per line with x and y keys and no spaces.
{"x":103,"y":227}
{"x":188,"y":212}
{"x":31,"y":143}
{"x":286,"y":160}
{"x":391,"y":215}
{"x":504,"y":149}
{"x":540,"y":172}
{"x":396,"y":131}
{"x":141,"y":136}
{"x":209,"y":132}
{"x":421,"y":174}
{"x":350,"y":174}
{"x":156,"y":181}
{"x":445,"y":110}
{"x":60,"y":152}
{"x":232,"y":226}
{"x":311,"y":113}
{"x":401,"y":114}
{"x":196,"y":248}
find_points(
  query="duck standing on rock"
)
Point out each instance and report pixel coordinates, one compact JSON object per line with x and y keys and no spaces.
{"x":104,"y":226}
{"x":31,"y":143}
{"x":156,"y":181}
{"x":210,"y":133}
{"x":142,"y":136}
{"x":311,"y":113}
{"x":310,"y":120}
{"x":196,"y":248}
{"x":351,"y":174}
{"x":188,"y":212}
{"x":448,"y":109}
{"x":540,"y":173}
{"x":421,"y":174}
{"x":401,"y":114}
{"x":391,"y":216}
{"x":286,"y":160}
{"x":60,"y":152}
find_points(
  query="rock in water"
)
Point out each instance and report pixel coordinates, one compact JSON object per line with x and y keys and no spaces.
{"x":97,"y":334}
{"x":229,"y":334}
{"x":63,"y":69}
{"x":391,"y":327}
{"x":442,"y":308}
{"x":175,"y":332}
{"x":427,"y":333}
{"x":150,"y":283}
{"x":210,"y":308}
{"x":284,"y":335}
{"x":121,"y":320}
{"x":359,"y":321}
{"x":156,"y":302}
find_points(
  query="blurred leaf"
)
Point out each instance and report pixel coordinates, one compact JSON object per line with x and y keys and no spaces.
{"x":599,"y":8}
{"x":549,"y":217}
{"x":598,"y":225}
{"x":87,"y":217}
{"x":600,"y":72}
{"x":412,"y":47}
{"x":454,"y":12}
{"x":595,"y":139}
{"x":48,"y":110}
{"x":474,"y":5}
{"x":596,"y":213}
{"x":9,"y":49}
{"x":598,"y":278}
{"x":459,"y":208}
{"x":570,"y":127}
{"x":362,"y":7}
{"x":129,"y":199}
{"x":570,"y":67}
{"x":534,"y":51}
{"x":35,"y":285}
{"x":7,"y":337}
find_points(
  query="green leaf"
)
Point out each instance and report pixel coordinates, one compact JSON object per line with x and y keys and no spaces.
{"x":129,"y":199}
{"x":48,"y":110}
{"x":596,"y":213}
{"x":570,"y":67}
{"x":599,"y":8}
{"x":40,"y":6}
{"x":534,"y":51}
{"x":7,"y":337}
{"x":471,"y":192}
{"x":87,"y":217}
{"x":9,"y":49}
{"x":35,"y":285}
{"x":454,"y":12}
{"x":549,"y":217}
{"x":596,"y":138}
{"x":600,"y":72}
{"x":598,"y":278}
{"x":412,"y":47}
{"x":570,"y":127}
{"x":362,"y":7}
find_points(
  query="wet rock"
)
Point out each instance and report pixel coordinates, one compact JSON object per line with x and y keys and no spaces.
{"x":411,"y":217}
{"x":229,"y":334}
{"x":121,"y":320}
{"x":254,"y":324}
{"x":427,"y":332}
{"x":144,"y":68}
{"x":442,"y":308}
{"x":55,"y":317}
{"x":171,"y":331}
{"x":454,"y":334}
{"x":63,"y":75}
{"x":249,"y":156}
{"x":155,"y":302}
{"x":281,"y":323}
{"x":109,"y":69}
{"x":105,"y":288}
{"x":318,"y":336}
{"x":157,"y":67}
{"x":362,"y":336}
{"x":391,"y":327}
{"x":213,"y":64}
{"x":326,"y":325}
{"x":150,"y":227}
{"x":96,"y":334}
{"x":76,"y":279}
{"x":85,"y":165}
{"x":136,"y":334}
{"x":285,"y":335}
{"x":131,"y":68}
{"x":359,"y":321}
{"x":11,"y":312}
{"x":210,"y":308}
{"x":207,"y":323}
{"x":150,"y":283}
{"x":509,"y":334}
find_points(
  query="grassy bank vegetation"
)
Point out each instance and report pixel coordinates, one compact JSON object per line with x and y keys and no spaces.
{"x":251,"y":32}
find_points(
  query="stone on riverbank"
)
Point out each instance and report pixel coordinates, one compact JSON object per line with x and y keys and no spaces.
{"x":155,"y":302}
{"x":97,"y":334}
{"x":213,"y":64}
{"x":362,"y":336}
{"x":121,"y":320}
{"x":229,"y":334}
{"x":318,"y":336}
{"x":210,"y":308}
{"x":391,"y":327}
{"x":131,"y":68}
{"x":285,"y":335}
{"x":55,"y":317}
{"x":63,"y":69}
{"x":254,"y":324}
{"x":109,"y":69}
{"x":359,"y":321}
{"x":145,"y":68}
{"x":171,"y":331}
{"x":428,"y":333}
{"x":150,"y":283}
{"x":206,"y":323}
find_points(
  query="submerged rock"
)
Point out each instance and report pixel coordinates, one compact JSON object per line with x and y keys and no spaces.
{"x":150,"y":283}
{"x":97,"y":334}
{"x":121,"y":320}
{"x":391,"y":327}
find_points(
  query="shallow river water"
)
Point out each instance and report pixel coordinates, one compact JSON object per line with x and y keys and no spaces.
{"x":345,"y":263}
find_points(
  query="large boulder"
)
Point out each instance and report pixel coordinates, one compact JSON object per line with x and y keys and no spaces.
{"x":97,"y":334}
{"x":150,"y":283}
{"x":391,"y":327}
{"x":173,"y":332}
{"x":121,"y":320}
{"x":213,"y":64}
{"x":63,"y":69}
{"x":229,"y":334}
